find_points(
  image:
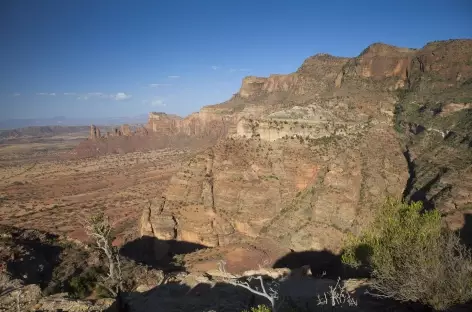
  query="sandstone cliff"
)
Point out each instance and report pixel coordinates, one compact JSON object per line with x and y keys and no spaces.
{"x":206,"y":123}
{"x":302,"y":159}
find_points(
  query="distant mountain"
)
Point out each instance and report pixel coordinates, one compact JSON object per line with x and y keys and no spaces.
{"x":65,"y":121}
{"x":41,"y":131}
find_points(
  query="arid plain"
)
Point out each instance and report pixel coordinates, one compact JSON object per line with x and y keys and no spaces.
{"x":45,"y":186}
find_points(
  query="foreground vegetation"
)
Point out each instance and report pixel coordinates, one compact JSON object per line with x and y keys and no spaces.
{"x":412,"y":258}
{"x":410,"y":255}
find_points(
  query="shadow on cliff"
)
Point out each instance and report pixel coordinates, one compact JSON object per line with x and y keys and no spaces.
{"x":422,"y":193}
{"x":322,"y":263}
{"x":158,"y":254}
{"x":465,"y":232}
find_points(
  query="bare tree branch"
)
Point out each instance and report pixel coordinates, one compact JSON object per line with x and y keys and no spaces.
{"x":271,"y":295}
{"x":98,"y":228}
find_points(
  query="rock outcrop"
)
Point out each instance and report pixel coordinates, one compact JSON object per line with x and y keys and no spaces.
{"x":252,"y":86}
{"x":379,"y":62}
{"x":125,"y":130}
{"x":95,"y":133}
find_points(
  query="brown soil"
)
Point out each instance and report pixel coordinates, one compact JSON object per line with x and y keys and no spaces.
{"x":44,"y":186}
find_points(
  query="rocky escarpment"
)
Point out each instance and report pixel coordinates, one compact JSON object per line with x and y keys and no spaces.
{"x":379,"y":62}
{"x":206,"y":123}
{"x":309,"y":122}
{"x":123,"y":130}
{"x":316,"y":74}
{"x":252,"y":86}
{"x":309,"y":156}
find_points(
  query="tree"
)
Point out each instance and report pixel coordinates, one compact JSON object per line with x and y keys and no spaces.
{"x":99,"y":229}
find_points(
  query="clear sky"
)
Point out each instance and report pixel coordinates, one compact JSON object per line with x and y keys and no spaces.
{"x":83,"y":58}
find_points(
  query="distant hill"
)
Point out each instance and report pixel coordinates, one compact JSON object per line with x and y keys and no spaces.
{"x":64,"y":121}
{"x":41,"y":131}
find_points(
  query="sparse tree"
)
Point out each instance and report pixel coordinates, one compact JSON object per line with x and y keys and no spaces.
{"x":99,"y":229}
{"x":269,"y":293}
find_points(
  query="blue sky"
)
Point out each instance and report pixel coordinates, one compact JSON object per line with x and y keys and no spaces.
{"x":124,"y":58}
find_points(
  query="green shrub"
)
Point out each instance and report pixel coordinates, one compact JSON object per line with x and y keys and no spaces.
{"x":83,"y":285}
{"x":412,"y":258}
{"x":102,"y":292}
{"x":259,"y":308}
{"x":178,"y":260}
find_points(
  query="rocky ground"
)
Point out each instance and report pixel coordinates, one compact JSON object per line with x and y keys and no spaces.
{"x":40,"y":272}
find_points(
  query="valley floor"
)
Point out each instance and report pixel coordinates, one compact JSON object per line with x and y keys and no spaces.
{"x":43,"y":187}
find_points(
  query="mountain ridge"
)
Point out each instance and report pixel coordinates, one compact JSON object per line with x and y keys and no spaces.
{"x":336,"y":132}
{"x":311,"y":154}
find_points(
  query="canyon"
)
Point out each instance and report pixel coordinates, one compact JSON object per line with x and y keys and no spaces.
{"x":305,"y":158}
{"x":290,"y":164}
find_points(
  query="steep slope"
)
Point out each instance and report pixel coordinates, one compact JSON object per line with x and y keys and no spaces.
{"x":434,"y":117}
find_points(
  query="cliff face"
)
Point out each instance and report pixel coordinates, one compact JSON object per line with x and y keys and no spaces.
{"x":207,"y":122}
{"x":302,"y":159}
{"x":316,"y":74}
{"x":385,"y":64}
{"x":286,"y":190}
{"x":274,"y":83}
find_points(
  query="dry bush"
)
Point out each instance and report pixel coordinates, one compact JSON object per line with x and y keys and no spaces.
{"x":337,"y":296}
{"x":99,"y":229}
{"x":412,"y":258}
{"x":259,"y":308}
{"x":7,"y":284}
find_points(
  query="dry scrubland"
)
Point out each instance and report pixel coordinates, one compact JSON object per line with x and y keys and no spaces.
{"x":41,"y":189}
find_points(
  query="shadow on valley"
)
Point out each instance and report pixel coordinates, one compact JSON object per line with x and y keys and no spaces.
{"x":30,"y":255}
{"x":322,"y":263}
{"x":158,"y":254}
{"x":41,"y":258}
{"x":297,"y":291}
{"x":294,"y":295}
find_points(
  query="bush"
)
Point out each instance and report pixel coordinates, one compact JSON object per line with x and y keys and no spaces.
{"x":412,"y":258}
{"x":83,"y":285}
{"x":259,"y":308}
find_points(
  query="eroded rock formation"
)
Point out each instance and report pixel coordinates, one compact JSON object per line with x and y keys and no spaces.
{"x":125,"y":130}
{"x":95,"y":133}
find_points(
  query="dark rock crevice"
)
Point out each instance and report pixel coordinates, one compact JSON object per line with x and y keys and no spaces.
{"x":411,"y":174}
